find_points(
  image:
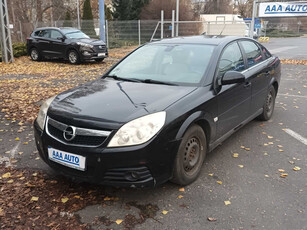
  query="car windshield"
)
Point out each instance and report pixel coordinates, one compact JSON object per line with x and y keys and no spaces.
{"x":76,"y":34}
{"x":176,"y":63}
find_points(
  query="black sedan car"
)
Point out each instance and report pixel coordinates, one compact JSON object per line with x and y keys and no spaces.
{"x":154,"y":115}
{"x":67,"y":43}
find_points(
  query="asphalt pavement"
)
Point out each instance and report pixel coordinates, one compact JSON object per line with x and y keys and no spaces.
{"x":248,"y":182}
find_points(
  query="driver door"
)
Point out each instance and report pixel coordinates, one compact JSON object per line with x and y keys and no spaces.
{"x":233,"y":100}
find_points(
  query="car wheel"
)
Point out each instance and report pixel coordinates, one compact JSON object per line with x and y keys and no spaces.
{"x":269,"y":105}
{"x":35,"y":55}
{"x":73,"y":57}
{"x":190,"y":156}
{"x":99,"y":59}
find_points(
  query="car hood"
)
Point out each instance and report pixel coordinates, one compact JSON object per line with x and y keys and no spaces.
{"x":109,"y":103}
{"x":89,"y":41}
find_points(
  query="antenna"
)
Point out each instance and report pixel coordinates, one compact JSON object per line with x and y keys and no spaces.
{"x":223,"y":29}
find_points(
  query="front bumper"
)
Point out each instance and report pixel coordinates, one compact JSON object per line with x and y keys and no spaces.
{"x":146,"y":165}
{"x":92,"y":54}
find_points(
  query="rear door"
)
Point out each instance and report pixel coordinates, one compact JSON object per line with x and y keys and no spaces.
{"x":258,"y":73}
{"x":233,"y":100}
{"x":41,"y":41}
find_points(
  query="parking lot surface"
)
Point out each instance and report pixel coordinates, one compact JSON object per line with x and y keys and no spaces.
{"x":255,"y":180}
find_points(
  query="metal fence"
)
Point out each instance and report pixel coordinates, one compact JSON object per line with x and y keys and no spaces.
{"x":128,"y":33}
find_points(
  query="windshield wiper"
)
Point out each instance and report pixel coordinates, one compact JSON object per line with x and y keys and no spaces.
{"x":122,"y":79}
{"x":151,"y":81}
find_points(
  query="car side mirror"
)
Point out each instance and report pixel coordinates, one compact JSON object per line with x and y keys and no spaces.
{"x":232,"y":77}
{"x":61,"y":38}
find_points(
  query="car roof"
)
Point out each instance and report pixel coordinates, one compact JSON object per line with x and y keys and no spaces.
{"x":199,"y":39}
{"x":57,"y":28}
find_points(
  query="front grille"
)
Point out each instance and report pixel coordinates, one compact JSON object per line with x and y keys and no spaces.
{"x":89,"y":138}
{"x":125,"y":174}
{"x":100,"y":48}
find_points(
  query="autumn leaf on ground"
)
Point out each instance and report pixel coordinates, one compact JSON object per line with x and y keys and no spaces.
{"x":247,"y":149}
{"x":211,"y":219}
{"x":25,"y":143}
{"x":227,"y":202}
{"x":235,"y":155}
{"x":6,"y":175}
{"x":242,"y":147}
{"x":180,"y":196}
{"x":296,"y":168}
{"x":281,"y":170}
{"x":181,"y":190}
{"x":10,"y":181}
{"x":280,"y":150}
{"x":118,"y":221}
{"x":270,"y":137}
{"x":280,"y":146}
{"x":64,"y":200}
{"x":164,"y":212}
{"x":241,"y":166}
{"x":1,"y":212}
{"x":34,"y":198}
{"x":265,"y":154}
{"x":284,"y":175}
{"x":219,"y":182}
{"x":17,"y":139}
{"x":210,"y":174}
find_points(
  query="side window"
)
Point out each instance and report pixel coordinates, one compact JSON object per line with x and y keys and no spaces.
{"x":253,"y":53}
{"x":231,"y":59}
{"x":42,"y":33}
{"x":55,"y":34}
{"x":265,"y":52}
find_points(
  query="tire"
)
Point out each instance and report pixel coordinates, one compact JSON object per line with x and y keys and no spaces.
{"x":190,"y":156}
{"x":269,"y":104}
{"x":73,"y":57}
{"x":99,"y":59}
{"x":35,"y":55}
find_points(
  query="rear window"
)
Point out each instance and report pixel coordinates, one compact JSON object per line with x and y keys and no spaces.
{"x":42,"y":33}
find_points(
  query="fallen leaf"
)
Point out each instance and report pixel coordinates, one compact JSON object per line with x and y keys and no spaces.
{"x":280,"y":146}
{"x":64,"y":200}
{"x":34,"y":198}
{"x":20,"y":153}
{"x":10,"y":181}
{"x":270,"y":143}
{"x":17,"y":139}
{"x":211,"y":219}
{"x":34,"y":174}
{"x":265,"y":154}
{"x":6,"y":175}
{"x":227,"y":202}
{"x":296,"y":168}
{"x":266,"y":175}
{"x":235,"y":155}
{"x":118,"y":221}
{"x":219,"y":182}
{"x":241,"y":166}
{"x":247,"y":149}
{"x":281,"y":170}
{"x":25,"y":143}
{"x":270,"y":137}
{"x":242,"y":146}
{"x":291,"y":162}
{"x":284,"y":175}
{"x":265,"y":144}
{"x":77,"y":197}
{"x":280,"y":150}
{"x":180,"y":196}
{"x":210,"y":174}
{"x":181,"y":190}
{"x":164,"y":212}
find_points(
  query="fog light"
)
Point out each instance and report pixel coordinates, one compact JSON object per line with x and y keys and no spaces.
{"x":86,"y":53}
{"x":132,"y":176}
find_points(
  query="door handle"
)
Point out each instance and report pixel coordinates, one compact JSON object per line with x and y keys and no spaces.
{"x":247,"y":85}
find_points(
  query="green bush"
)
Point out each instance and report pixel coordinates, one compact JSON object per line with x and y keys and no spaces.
{"x":19,"y":49}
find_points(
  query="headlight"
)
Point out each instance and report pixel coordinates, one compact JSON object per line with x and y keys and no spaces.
{"x":139,"y":130}
{"x":84,"y":45}
{"x":41,"y":118}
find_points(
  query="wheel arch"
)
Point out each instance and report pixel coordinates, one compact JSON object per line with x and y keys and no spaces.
{"x":204,"y":120}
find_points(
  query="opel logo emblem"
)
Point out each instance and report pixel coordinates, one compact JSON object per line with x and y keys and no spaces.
{"x":69,"y":133}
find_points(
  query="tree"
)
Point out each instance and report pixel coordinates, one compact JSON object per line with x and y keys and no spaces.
{"x":87,"y":25}
{"x":67,"y":22}
{"x":128,"y":9}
